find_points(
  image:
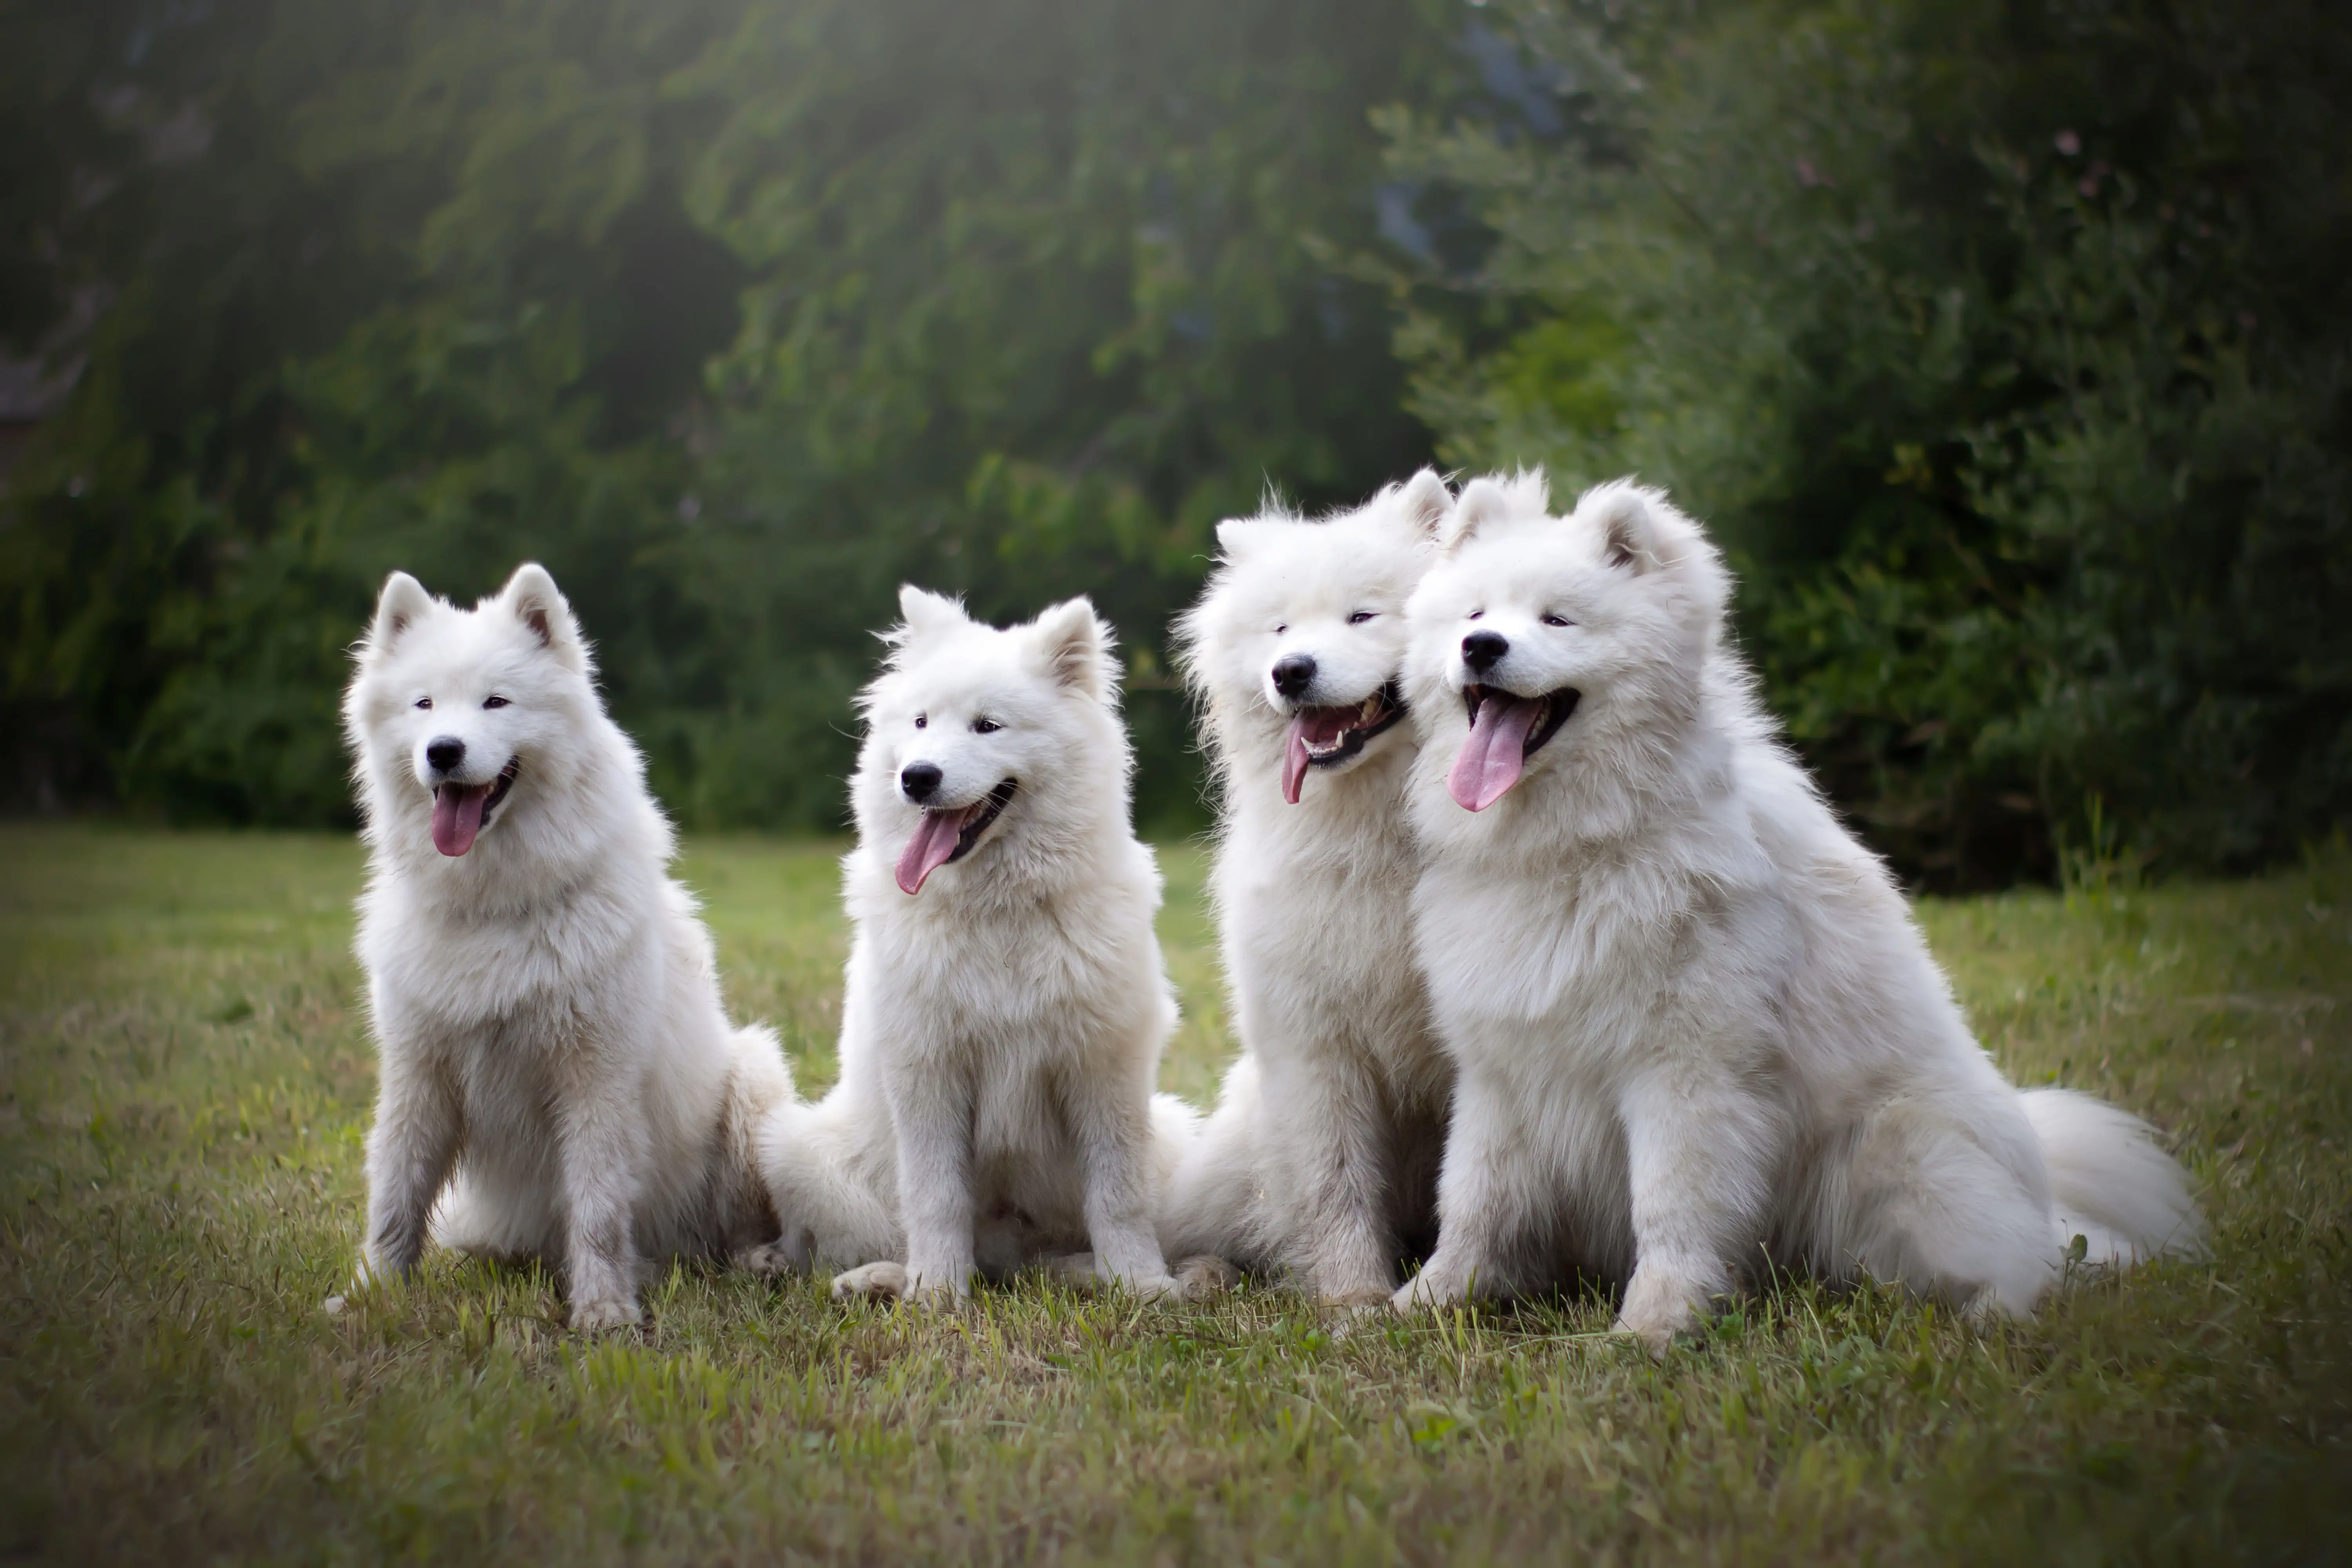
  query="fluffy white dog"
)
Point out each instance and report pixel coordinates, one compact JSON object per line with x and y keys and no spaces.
{"x":1321,"y":1160}
{"x":1695,"y":1028}
{"x":556,"y":1071}
{"x":1005,"y":1005}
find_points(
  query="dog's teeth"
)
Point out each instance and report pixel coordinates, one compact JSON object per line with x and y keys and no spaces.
{"x":1372,"y":707}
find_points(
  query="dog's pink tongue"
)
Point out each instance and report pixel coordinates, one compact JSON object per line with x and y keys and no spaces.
{"x":457,"y":817}
{"x":1497,"y":748}
{"x":1314,"y":727}
{"x":1294,"y":760}
{"x":927,"y":851}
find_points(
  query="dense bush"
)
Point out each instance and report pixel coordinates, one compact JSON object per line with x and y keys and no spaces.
{"x":2004,"y":342}
{"x":2006,"y":346}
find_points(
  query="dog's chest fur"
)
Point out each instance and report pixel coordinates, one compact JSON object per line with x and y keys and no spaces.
{"x":1585,"y":964}
{"x":464,"y":970}
{"x":1040,"y":979}
{"x":1315,"y":901}
{"x":519,"y":1012}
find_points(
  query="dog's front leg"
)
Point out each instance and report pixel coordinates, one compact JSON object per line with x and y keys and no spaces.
{"x":601,"y":1146}
{"x":1700,"y":1147}
{"x":419,"y":1128}
{"x":1332,"y":1118}
{"x":1483,"y":1197}
{"x":1111,"y":1119}
{"x":931,"y":1111}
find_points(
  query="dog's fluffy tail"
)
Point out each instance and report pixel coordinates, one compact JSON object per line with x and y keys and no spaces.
{"x":1209,"y":1202}
{"x":758,"y":1080}
{"x":828,"y":1189}
{"x":468,"y":1219}
{"x":1175,"y":1127}
{"x":2110,"y":1183}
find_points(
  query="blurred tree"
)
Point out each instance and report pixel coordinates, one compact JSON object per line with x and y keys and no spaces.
{"x":2003,"y":342}
{"x":733,"y":315}
{"x":1034,"y":302}
{"x":165,"y":259}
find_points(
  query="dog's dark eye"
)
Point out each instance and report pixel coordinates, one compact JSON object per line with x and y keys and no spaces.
{"x":1558,"y":621}
{"x":494,"y":702}
{"x":922,"y":720}
{"x":1360,"y":616}
{"x":1282,"y":628}
{"x":424,"y":702}
{"x":1475,"y":615}
{"x":985,"y":726}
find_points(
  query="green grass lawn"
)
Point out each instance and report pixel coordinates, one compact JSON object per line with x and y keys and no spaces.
{"x":184,"y":1083}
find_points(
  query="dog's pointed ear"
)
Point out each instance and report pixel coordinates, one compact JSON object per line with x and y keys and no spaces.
{"x":1427,"y":503}
{"x":1629,"y":532}
{"x":1482,"y":502}
{"x":922,"y":612}
{"x":1076,"y":647}
{"x":401,"y":605}
{"x":1238,"y":536}
{"x":531,"y":597}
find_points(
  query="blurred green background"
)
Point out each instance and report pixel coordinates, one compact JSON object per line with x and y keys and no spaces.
{"x":2007,"y":347}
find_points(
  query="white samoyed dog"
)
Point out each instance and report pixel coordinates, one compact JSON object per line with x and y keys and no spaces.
{"x":1698,"y":1033}
{"x":1005,"y":1005}
{"x":556,"y":1074}
{"x":1320,"y":1160}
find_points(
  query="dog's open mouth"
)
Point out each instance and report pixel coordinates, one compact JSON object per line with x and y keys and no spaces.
{"x":460,"y":812}
{"x":1506,"y":730}
{"x":947,"y":836}
{"x":1326,"y":737}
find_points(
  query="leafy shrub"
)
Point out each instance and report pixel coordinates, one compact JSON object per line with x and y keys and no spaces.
{"x":2005,"y":346}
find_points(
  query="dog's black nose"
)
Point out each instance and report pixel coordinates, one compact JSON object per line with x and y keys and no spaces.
{"x":1293,"y":674}
{"x":919,"y":780}
{"x":1482,"y":651}
{"x":443,"y":754}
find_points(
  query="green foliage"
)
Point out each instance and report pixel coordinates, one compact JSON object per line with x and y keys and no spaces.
{"x":1032,"y":306}
{"x":2006,"y":346}
{"x":735,"y":316}
{"x":184,"y":1087}
{"x":2006,"y":343}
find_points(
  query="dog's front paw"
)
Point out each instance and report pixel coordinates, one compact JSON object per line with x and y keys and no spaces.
{"x":1655,"y":1335}
{"x":871,"y":1282}
{"x":1204,"y":1276}
{"x":1659,"y":1305}
{"x":1158,"y":1287}
{"x":944,"y":1285}
{"x":1440,"y":1284}
{"x":773,"y":1261}
{"x":368,"y":1272}
{"x":1413,"y":1296}
{"x":373,"y":1268}
{"x":603,"y":1314}
{"x":1073,"y":1270}
{"x":1359,"y":1305}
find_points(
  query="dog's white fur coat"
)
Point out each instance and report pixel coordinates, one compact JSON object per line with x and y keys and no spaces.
{"x":1320,"y":1161}
{"x":1001,"y":1028}
{"x":556,"y":1073}
{"x":1695,"y":1028}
